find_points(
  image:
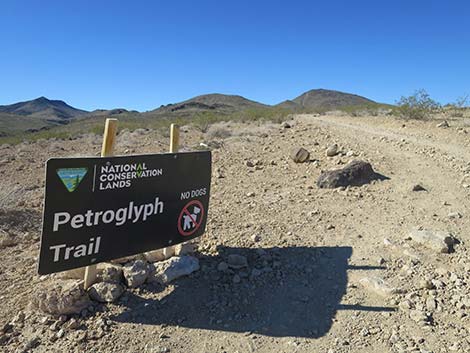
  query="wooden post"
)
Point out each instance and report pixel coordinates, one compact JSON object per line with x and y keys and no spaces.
{"x":107,"y":150}
{"x":174,"y":146}
{"x":174,"y":138}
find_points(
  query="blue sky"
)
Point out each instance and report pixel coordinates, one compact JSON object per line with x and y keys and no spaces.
{"x":141,"y":54}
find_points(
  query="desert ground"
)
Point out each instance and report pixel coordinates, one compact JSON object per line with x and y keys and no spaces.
{"x":327,"y":270}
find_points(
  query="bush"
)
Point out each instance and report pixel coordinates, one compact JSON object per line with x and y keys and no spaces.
{"x":218,"y":132}
{"x":417,"y":106}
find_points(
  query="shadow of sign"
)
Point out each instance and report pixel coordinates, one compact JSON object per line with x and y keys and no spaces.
{"x":293,"y":291}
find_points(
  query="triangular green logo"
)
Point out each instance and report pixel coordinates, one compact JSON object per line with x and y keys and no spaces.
{"x":71,"y":177}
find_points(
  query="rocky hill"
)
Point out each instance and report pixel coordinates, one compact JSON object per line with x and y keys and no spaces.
{"x":212,"y":102}
{"x":51,"y":110}
{"x":325,"y":99}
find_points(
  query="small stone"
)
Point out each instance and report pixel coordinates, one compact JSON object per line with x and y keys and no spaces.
{"x":454,"y":215}
{"x":256,"y":238}
{"x":444,"y":124}
{"x":108,"y":272}
{"x":431,"y":304}
{"x":405,"y":305}
{"x":105,"y":292}
{"x":250,"y":164}
{"x":378,"y":286}
{"x":418,"y":316}
{"x":285,"y":125}
{"x":332,"y":150}
{"x":299,"y":155}
{"x":439,"y":241}
{"x":136,"y":273}
{"x":426,"y":284}
{"x":237,"y":261}
{"x":418,"y":187}
{"x":73,"y":324}
{"x":236,"y":279}
{"x":32,"y":343}
{"x":222,"y":266}
{"x":166,"y":271}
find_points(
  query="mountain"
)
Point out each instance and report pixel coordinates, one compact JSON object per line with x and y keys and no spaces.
{"x":326,"y":99}
{"x":211,"y":102}
{"x":43,"y":108}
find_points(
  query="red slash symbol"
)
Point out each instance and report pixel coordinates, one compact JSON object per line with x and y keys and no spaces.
{"x":187,"y":221}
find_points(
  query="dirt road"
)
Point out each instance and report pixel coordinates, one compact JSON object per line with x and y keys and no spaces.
{"x":308,"y":249}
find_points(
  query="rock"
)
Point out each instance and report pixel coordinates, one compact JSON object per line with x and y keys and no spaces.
{"x":431,"y":304}
{"x":255,"y":238}
{"x":222,"y":267}
{"x":186,"y":248}
{"x":61,"y":298}
{"x":332,"y":150}
{"x":285,"y":125}
{"x":299,"y":155}
{"x":444,"y":124}
{"x":107,"y":272}
{"x":6,"y":240}
{"x":250,"y":164}
{"x":72,"y":324}
{"x":439,"y":241}
{"x":418,"y":187}
{"x":378,"y":286}
{"x":237,"y":261}
{"x":32,"y":343}
{"x":166,"y":271}
{"x":105,"y":292}
{"x":136,"y":273}
{"x":154,"y":256}
{"x":355,"y":173}
{"x":454,"y":215}
{"x":418,"y":316}
{"x":426,"y":284}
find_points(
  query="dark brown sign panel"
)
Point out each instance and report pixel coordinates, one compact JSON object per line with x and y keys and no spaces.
{"x":99,"y":209}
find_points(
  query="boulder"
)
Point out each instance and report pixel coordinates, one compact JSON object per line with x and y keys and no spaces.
{"x":166,"y":271}
{"x":299,"y":155}
{"x":356,"y":173}
{"x":439,"y":241}
{"x":106,"y":292}
{"x":61,"y":297}
{"x":136,"y":273}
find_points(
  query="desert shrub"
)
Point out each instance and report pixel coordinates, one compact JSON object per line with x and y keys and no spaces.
{"x":203,"y":121}
{"x":417,"y":106}
{"x":457,"y":109}
{"x":218,"y":132}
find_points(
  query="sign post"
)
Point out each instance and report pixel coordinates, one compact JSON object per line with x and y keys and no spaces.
{"x":107,"y":150}
{"x":174,"y":147}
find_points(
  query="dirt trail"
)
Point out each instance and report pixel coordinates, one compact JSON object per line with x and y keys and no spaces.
{"x":307,"y":248}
